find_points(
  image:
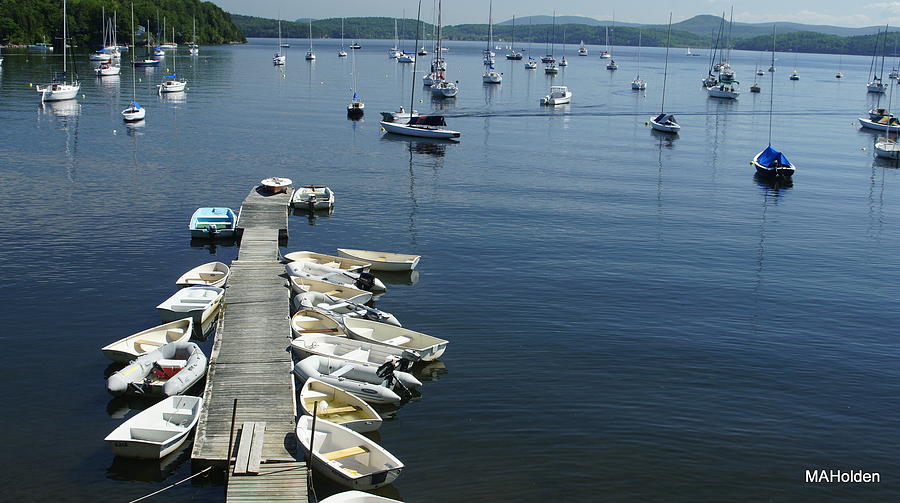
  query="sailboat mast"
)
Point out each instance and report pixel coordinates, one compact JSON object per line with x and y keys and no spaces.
{"x":662,"y":108}
{"x":412,"y":85}
{"x":133,"y":71}
{"x":490,"y":25}
{"x":64,"y":44}
{"x":772,"y":85}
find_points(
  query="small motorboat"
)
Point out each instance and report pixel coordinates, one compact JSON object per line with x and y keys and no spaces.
{"x":401,"y":115}
{"x":665,"y":123}
{"x":338,"y":406}
{"x":157,"y":431}
{"x":559,"y":95}
{"x":382,"y":261}
{"x":126,"y":349}
{"x":209,"y":274}
{"x":342,"y":348}
{"x":311,"y":321}
{"x":361,"y":280}
{"x":166,"y":371}
{"x":211,"y":223}
{"x":771,"y":163}
{"x":839,"y":75}
{"x":313,"y":198}
{"x":300,"y":285}
{"x":276,"y":184}
{"x":337,"y":307}
{"x":336,"y":262}
{"x":357,"y":497}
{"x":428,"y":347}
{"x":196,"y":302}
{"x":370,"y":383}
{"x":345,"y":456}
{"x":638,"y":84}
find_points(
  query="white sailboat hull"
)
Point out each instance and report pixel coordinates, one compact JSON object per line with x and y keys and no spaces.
{"x":105,"y":72}
{"x":172,"y":86}
{"x":134,"y":114}
{"x":715,"y":92}
{"x":58,"y":92}
{"x":870,"y":124}
{"x":419,"y":131}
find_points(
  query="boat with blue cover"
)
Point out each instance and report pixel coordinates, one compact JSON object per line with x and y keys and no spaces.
{"x":211,"y":223}
{"x":771,"y":162}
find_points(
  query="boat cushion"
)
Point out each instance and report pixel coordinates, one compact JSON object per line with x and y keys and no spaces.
{"x":396,"y":341}
{"x":153,"y":434}
{"x":344,"y":453}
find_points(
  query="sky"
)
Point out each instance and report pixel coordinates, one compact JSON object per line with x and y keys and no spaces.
{"x":853,"y":13}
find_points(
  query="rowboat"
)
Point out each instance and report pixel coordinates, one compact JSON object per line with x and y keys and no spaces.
{"x":126,"y":349}
{"x":313,"y":198}
{"x":310,"y":321}
{"x":167,"y":371}
{"x":347,"y":264}
{"x":362,"y":380}
{"x":210,"y":223}
{"x":361,"y":280}
{"x":301,"y":285}
{"x":357,"y":497}
{"x":338,"y":406}
{"x":342,"y":348}
{"x":382,"y":261}
{"x":158,"y":430}
{"x":197,"y":302}
{"x":347,"y":457}
{"x":338,"y":307}
{"x":428,"y":347}
{"x":209,"y":274}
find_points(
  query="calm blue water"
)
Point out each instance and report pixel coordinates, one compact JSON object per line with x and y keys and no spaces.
{"x":633,"y":318}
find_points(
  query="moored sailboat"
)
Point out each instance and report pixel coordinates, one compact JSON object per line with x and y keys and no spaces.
{"x":770,"y":162}
{"x":665,"y":122}
{"x":61,"y":87}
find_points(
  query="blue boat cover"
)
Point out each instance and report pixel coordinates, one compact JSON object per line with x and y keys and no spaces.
{"x":173,"y":76}
{"x":135,"y":105}
{"x":771,"y":157}
{"x":355,"y":96}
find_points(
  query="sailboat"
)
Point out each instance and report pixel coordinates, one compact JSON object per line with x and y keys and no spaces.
{"x":770,"y":162}
{"x":605,"y":54}
{"x":638,"y":84}
{"x":549,"y":60}
{"x":582,"y":50}
{"x":424,"y":126}
{"x":135,"y":111}
{"x":875,"y":84}
{"x":193,"y":48}
{"x":356,"y":108}
{"x":109,"y":66}
{"x":840,"y":74}
{"x":280,"y":57}
{"x":664,"y":122}
{"x":147,"y":61}
{"x":441,"y":87}
{"x":491,"y":75}
{"x":612,"y":63}
{"x":727,"y":86}
{"x":342,"y":53}
{"x":394,"y":52}
{"x":513,"y":53}
{"x":172,"y":84}
{"x":531,"y":64}
{"x":61,"y":87}
{"x":101,"y":55}
{"x":562,"y":61}
{"x":310,"y":55}
{"x":794,"y":74}
{"x":402,"y":56}
{"x":887,"y":147}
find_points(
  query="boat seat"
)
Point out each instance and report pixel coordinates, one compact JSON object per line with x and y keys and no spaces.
{"x":174,"y":333}
{"x":212,"y":275}
{"x":396,"y":341}
{"x":357,"y":354}
{"x":152,"y":434}
{"x":337,"y":410}
{"x":335,"y":265}
{"x":334,"y":293}
{"x":180,"y":307}
{"x":344,"y":453}
{"x":341,"y":371}
{"x":178,"y":418}
{"x":313,"y":394}
{"x":145,"y":342}
{"x":363,"y":332}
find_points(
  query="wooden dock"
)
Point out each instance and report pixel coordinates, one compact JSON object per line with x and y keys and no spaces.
{"x":251,"y":362}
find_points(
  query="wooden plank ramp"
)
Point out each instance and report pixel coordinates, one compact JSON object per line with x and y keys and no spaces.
{"x":251,"y":362}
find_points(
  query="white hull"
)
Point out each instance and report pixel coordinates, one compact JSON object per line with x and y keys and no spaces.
{"x":491,"y":78}
{"x":715,"y":92}
{"x":128,"y":348}
{"x":336,"y":262}
{"x":352,"y":350}
{"x":444,"y":89}
{"x":166,"y":371}
{"x":367,"y":466}
{"x":559,"y":95}
{"x":105,"y":72}
{"x":311,"y":321}
{"x":357,"y":497}
{"x":279,"y":60}
{"x":364,"y":281}
{"x":638,"y":85}
{"x":157,"y":431}
{"x":130,"y":114}
{"x":303,"y":285}
{"x":58,"y":92}
{"x":209,"y":274}
{"x":664,"y":128}
{"x":382,"y":261}
{"x":870,"y":124}
{"x":315,"y":198}
{"x":338,"y":406}
{"x":196,"y":302}
{"x":876,"y":88}
{"x":357,"y":378}
{"x":419,"y":131}
{"x":428,"y":347}
{"x":887,"y":149}
{"x":172,"y":86}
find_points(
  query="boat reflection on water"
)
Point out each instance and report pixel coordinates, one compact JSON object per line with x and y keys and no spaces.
{"x":213,"y":245}
{"x":431,"y":371}
{"x":666,"y":139}
{"x":66,"y":108}
{"x":177,"y":97}
{"x":773,"y":186}
{"x":312,"y":217}
{"x":134,"y":128}
{"x":434,"y":147}
{"x":120,"y":406}
{"x":150,"y":470}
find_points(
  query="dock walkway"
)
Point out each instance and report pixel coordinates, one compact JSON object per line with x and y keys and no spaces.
{"x":251,"y":359}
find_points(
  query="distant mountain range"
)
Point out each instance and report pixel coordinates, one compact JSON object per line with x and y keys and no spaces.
{"x":704,"y":25}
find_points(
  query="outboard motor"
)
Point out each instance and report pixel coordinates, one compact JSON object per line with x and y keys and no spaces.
{"x":311,"y":202}
{"x":366,"y":281}
{"x":213,"y":229}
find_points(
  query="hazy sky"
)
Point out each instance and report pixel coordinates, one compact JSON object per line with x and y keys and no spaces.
{"x":852,"y":13}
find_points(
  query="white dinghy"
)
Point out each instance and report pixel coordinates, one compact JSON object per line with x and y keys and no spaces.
{"x":559,"y":95}
{"x":127,"y":349}
{"x":357,"y":497}
{"x":197,"y":302}
{"x":158,"y":430}
{"x":382,"y":261}
{"x":347,"y":457}
{"x":428,"y":347}
{"x":313,"y":198}
{"x":338,"y":406}
{"x":310,"y":321}
{"x":209,"y":274}
{"x":362,"y":380}
{"x":342,"y":348}
{"x":339,"y":307}
{"x":302,"y":285}
{"x":361,"y":280}
{"x":347,"y":264}
{"x":167,"y":371}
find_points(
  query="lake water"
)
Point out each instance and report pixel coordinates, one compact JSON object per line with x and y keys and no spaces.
{"x":632,"y":317}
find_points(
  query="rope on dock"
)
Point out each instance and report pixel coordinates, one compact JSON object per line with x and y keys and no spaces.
{"x":201,"y":472}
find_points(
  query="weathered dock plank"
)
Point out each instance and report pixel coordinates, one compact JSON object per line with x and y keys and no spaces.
{"x":251,"y":362}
